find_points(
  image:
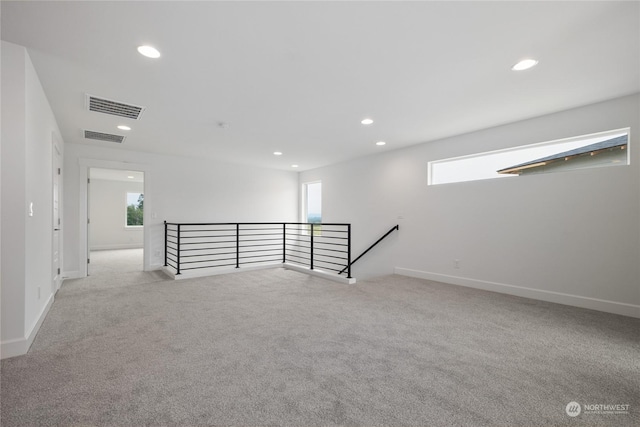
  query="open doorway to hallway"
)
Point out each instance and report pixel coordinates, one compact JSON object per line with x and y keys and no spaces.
{"x":115,"y":226}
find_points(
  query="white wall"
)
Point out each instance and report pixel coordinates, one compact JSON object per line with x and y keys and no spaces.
{"x":27,"y":132}
{"x":179,"y":189}
{"x":13,"y":192}
{"x":108,"y":215}
{"x":2,"y":106}
{"x":570,"y":237}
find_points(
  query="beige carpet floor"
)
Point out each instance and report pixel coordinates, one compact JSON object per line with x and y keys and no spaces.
{"x":280,"y":348}
{"x":105,"y":262}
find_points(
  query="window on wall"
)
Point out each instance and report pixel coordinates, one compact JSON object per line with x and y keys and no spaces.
{"x":582,"y":152}
{"x":312,"y":204}
{"x":135,"y":209}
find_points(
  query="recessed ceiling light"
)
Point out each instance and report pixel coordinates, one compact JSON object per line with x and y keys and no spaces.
{"x":525,"y":64}
{"x":149,"y":52}
{"x":294,"y":166}
{"x":277,"y":153}
{"x":130,"y":177}
{"x":123,"y":127}
{"x":380,"y":143}
{"x":366,"y":121}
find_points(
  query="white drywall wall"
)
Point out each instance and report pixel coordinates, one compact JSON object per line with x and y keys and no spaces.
{"x":2,"y":106}
{"x":28,"y":129}
{"x":575,"y":233}
{"x":108,"y":215}
{"x":40,"y":125}
{"x":179,"y":189}
{"x":13,"y":194}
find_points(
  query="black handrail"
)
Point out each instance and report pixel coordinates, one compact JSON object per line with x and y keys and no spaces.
{"x":395,"y":227}
{"x":322,"y":246}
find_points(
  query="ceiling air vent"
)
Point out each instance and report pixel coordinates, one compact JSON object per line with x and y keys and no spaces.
{"x":90,"y":134}
{"x":107,"y":106}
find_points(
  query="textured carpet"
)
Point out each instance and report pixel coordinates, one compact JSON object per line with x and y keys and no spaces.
{"x":278,"y":347}
{"x":105,"y":262}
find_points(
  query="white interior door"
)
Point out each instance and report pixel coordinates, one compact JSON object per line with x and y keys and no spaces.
{"x":88,"y":219}
{"x":57,"y":226}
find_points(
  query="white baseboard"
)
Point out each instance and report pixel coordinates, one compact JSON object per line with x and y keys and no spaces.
{"x":36,"y":325}
{"x":71,"y":275}
{"x":614,"y":307}
{"x":214,"y":271}
{"x":20,"y":346}
{"x":114,"y":247}
{"x":13,"y":348}
{"x":329,"y":276}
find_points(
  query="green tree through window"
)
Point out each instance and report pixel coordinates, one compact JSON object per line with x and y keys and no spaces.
{"x":135,"y":210}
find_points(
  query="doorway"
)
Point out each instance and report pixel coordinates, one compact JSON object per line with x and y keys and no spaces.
{"x":56,"y":221}
{"x":115,"y":226}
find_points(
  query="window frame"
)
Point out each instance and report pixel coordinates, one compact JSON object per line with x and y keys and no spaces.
{"x":305,"y":200}
{"x":596,"y":135}
{"x":126,"y":207}
{"x":317,"y":229}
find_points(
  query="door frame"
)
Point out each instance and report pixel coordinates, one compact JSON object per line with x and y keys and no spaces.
{"x":56,"y":147}
{"x":83,"y":242}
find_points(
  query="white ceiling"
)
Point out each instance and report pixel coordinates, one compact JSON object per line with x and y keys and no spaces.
{"x":298,"y":77}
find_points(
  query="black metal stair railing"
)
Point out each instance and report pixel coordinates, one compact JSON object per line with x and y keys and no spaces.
{"x":191,"y":246}
{"x":348,"y":267}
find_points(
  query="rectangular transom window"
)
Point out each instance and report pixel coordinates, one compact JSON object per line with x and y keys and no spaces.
{"x":135,"y":209}
{"x":603,"y":149}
